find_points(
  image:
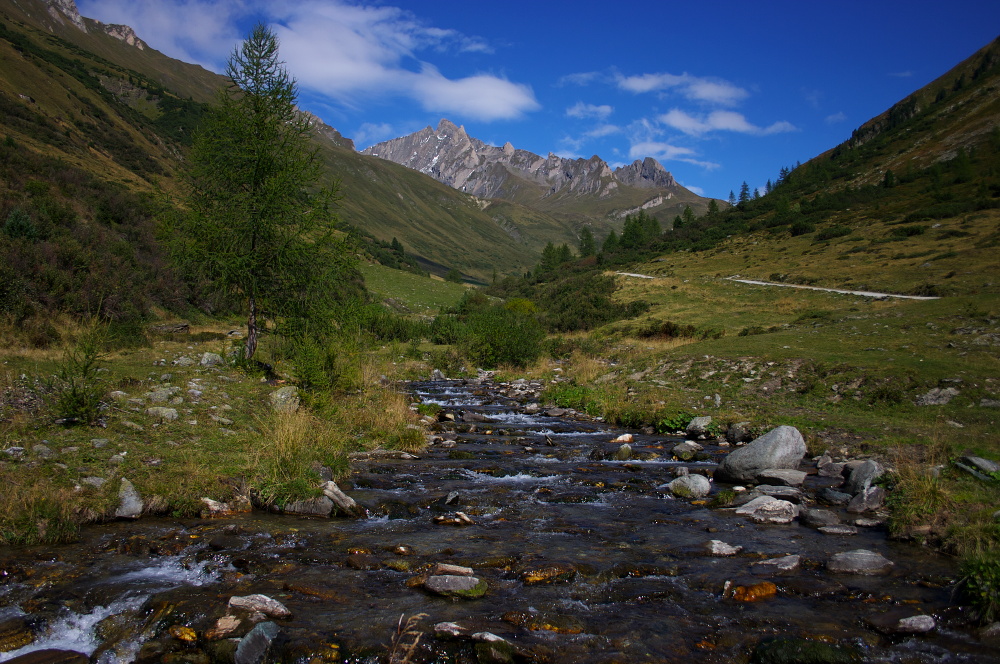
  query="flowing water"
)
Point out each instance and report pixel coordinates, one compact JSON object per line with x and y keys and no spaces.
{"x":585,"y":560}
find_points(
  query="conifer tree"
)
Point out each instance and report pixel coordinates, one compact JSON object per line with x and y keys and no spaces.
{"x":260,"y":225}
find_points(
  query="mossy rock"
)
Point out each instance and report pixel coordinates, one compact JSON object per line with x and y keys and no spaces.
{"x":803,"y":651}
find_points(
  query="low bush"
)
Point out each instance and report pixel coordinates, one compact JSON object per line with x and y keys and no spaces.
{"x":832,"y":232}
{"x":979,"y":586}
{"x":498,"y":336}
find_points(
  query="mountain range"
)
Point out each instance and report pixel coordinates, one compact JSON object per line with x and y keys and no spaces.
{"x":125,"y":112}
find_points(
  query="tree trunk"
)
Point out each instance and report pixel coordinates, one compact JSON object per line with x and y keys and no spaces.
{"x":251,"y":346}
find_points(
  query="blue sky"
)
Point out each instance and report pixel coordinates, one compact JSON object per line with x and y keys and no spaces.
{"x":718,"y":92}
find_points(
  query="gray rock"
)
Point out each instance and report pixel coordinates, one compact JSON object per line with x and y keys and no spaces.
{"x":451,"y":585}
{"x":782,"y":447}
{"x":623,"y":453}
{"x":816,"y":518}
{"x":739,"y":433}
{"x":766,"y":509}
{"x":981,"y":464}
{"x":862,"y":477}
{"x":15,"y":452}
{"x":98,"y":443}
{"x":868,"y":500}
{"x":841,"y":529}
{"x":162,"y":413}
{"x":720,"y":548}
{"x":556,"y":412}
{"x":685,"y":451}
{"x":130,"y":503}
{"x":791,"y":494}
{"x":163,"y":394}
{"x":319,"y":506}
{"x":96,"y":482}
{"x":183,"y":361}
{"x":43,"y":451}
{"x":989,"y":403}
{"x":210,"y":360}
{"x":690,"y":486}
{"x":781,"y":477}
{"x":782,"y":564}
{"x":254,"y":647}
{"x":116,"y":460}
{"x":937,"y":397}
{"x":437,"y":375}
{"x":898,"y":622}
{"x":260,"y":604}
{"x":978,"y":467}
{"x":833,"y":497}
{"x":698,"y":426}
{"x":859,"y":561}
{"x":285,"y":399}
{"x":830,"y":469}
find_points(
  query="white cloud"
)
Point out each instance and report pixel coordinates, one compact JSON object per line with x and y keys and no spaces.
{"x":344,"y":51}
{"x":694,"y":88}
{"x":603,"y":130}
{"x":482,"y":97}
{"x":836,"y":117}
{"x":719,"y":121}
{"x":582,"y":110}
{"x":667,"y":152}
{"x":901,"y":74}
{"x":692,"y":188}
{"x":370,"y":133}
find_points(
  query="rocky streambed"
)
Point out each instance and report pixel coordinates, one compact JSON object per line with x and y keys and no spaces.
{"x":519,"y":534}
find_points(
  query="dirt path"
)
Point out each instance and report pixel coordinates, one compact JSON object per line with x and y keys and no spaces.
{"x":834,"y":290}
{"x":817,"y":288}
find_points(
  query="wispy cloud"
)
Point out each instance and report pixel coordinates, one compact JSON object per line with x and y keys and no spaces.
{"x":901,"y":74}
{"x":719,"y":121}
{"x":667,"y":152}
{"x":836,"y":117}
{"x":694,"y":88}
{"x":586,"y":111}
{"x":370,"y":133}
{"x":348,"y":52}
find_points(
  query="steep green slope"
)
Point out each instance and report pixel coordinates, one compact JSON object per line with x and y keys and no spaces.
{"x":107,"y":107}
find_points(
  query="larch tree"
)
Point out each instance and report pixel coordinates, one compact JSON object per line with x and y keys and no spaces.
{"x":260,"y":225}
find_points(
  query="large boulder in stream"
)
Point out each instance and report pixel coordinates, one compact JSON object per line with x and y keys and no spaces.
{"x":782,"y":447}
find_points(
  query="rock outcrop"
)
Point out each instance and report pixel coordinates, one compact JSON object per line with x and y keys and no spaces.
{"x":450,"y":155}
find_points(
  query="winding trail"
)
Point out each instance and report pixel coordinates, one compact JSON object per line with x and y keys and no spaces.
{"x":755,"y":282}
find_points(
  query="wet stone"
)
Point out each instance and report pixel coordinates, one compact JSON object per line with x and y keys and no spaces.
{"x":900,"y":622}
{"x":859,"y":561}
{"x":791,"y":494}
{"x":450,"y":585}
{"x":818,"y":518}
{"x":781,"y":477}
{"x":782,"y":564}
{"x":833,"y":497}
{"x":720,"y":548}
{"x":554,"y":573}
{"x":50,"y":656}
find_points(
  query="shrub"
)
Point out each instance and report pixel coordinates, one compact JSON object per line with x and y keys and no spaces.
{"x":979,"y":586}
{"x":20,"y":224}
{"x":446,"y":329}
{"x":496,"y":335}
{"x":802,"y":227}
{"x":832,"y":232}
{"x":76,"y":389}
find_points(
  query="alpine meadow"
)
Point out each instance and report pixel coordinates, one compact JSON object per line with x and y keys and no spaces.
{"x":271,"y":393}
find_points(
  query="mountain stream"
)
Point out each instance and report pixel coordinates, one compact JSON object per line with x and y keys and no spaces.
{"x":583,"y":558}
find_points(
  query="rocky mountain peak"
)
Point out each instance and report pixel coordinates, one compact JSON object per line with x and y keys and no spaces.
{"x":450,"y":155}
{"x":124,"y":33}
{"x":66,"y":9}
{"x":645,"y":174}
